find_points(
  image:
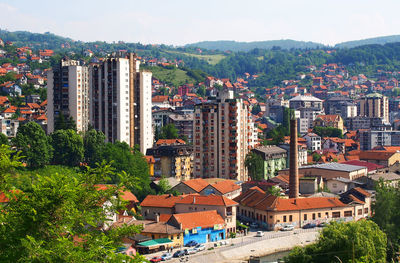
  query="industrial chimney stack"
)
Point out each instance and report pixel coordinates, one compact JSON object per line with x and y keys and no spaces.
{"x":293,"y":169}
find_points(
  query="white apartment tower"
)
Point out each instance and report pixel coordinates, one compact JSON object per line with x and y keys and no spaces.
{"x":68,"y":94}
{"x":121,"y":100}
{"x":223,"y":132}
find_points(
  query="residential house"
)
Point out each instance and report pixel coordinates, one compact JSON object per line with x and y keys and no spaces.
{"x":227,"y":188}
{"x":225,"y":207}
{"x":191,"y":186}
{"x":154,"y":205}
{"x":383,"y":158}
{"x":202,"y":226}
{"x":340,"y":185}
{"x":173,"y":158}
{"x":313,"y":141}
{"x":334,"y":121}
{"x":274,"y":159}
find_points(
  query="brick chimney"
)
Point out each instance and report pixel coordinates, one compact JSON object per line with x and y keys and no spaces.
{"x":293,"y":165}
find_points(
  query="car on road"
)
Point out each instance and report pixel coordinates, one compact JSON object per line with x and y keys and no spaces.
{"x":200,"y":247}
{"x":191,"y":244}
{"x":309,"y":225}
{"x":260,"y":234}
{"x":254,"y":225}
{"x":288,"y":228}
{"x":156,"y":259}
{"x":189,"y":251}
{"x":166,"y":256}
{"x":179,"y":253}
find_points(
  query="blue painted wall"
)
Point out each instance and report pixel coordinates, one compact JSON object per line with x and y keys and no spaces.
{"x":201,"y":236}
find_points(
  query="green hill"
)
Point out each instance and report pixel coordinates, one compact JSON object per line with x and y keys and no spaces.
{"x":227,"y":45}
{"x":369,"y":41}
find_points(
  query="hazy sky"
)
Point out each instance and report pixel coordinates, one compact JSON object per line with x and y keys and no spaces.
{"x":180,"y":22}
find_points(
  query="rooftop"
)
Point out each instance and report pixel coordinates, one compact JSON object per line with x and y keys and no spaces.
{"x":305,"y":98}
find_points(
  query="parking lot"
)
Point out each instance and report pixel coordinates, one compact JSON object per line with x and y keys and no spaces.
{"x":216,"y":250}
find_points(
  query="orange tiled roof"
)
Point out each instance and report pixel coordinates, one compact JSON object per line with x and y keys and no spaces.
{"x":202,"y":219}
{"x":196,"y":184}
{"x":306,"y":203}
{"x":225,"y":186}
{"x":169,"y":141}
{"x":125,"y":194}
{"x":217,"y":200}
{"x":161,"y":200}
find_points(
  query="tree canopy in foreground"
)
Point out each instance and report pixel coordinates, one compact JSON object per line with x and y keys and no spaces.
{"x":360,"y":241}
{"x":60,"y":218}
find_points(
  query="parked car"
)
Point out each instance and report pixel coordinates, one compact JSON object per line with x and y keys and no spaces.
{"x":179,"y":253}
{"x":288,"y":228}
{"x":189,"y":251}
{"x":156,"y":259}
{"x":254,"y":225}
{"x":166,"y":256}
{"x":309,"y":225}
{"x":200,"y":247}
{"x":191,"y":244}
{"x":322,"y":224}
{"x":260,"y":234}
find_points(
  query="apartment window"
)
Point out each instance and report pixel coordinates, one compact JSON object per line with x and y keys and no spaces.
{"x":284,"y":219}
{"x":348,"y":213}
{"x":305,"y":216}
{"x":359,"y":212}
{"x":366,"y":210}
{"x":319,"y":215}
{"x":270,"y":216}
{"x":335,"y":214}
{"x":313,"y":216}
{"x":290,"y":218}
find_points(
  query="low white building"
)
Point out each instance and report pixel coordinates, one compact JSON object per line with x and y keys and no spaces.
{"x":313,"y":141}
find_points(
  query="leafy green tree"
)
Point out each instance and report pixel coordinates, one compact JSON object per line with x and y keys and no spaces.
{"x":256,"y":109}
{"x":274,"y":190}
{"x":255,"y":166}
{"x":132,"y":162}
{"x":163,"y":186}
{"x":169,"y":131}
{"x":93,"y":143}
{"x":316,"y":157}
{"x":360,"y":241}
{"x":62,"y":123}
{"x":68,"y":147}
{"x":328,"y":132}
{"x":387,"y":215}
{"x":34,"y":145}
{"x":4,"y":139}
{"x":60,"y":220}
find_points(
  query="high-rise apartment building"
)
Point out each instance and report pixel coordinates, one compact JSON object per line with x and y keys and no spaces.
{"x":68,"y":94}
{"x":121,"y":100}
{"x":222,"y":135}
{"x":375,"y":105}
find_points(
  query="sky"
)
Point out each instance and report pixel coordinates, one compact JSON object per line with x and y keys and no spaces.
{"x":179,"y":22}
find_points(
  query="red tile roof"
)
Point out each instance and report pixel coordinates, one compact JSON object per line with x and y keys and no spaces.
{"x":306,"y":203}
{"x":170,"y":141}
{"x":202,"y":219}
{"x":225,"y":186}
{"x":196,"y":184}
{"x":215,"y":200}
{"x":125,"y":194}
{"x":161,"y":200}
{"x":375,"y":155}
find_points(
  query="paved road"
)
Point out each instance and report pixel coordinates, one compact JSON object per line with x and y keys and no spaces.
{"x":242,"y":247}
